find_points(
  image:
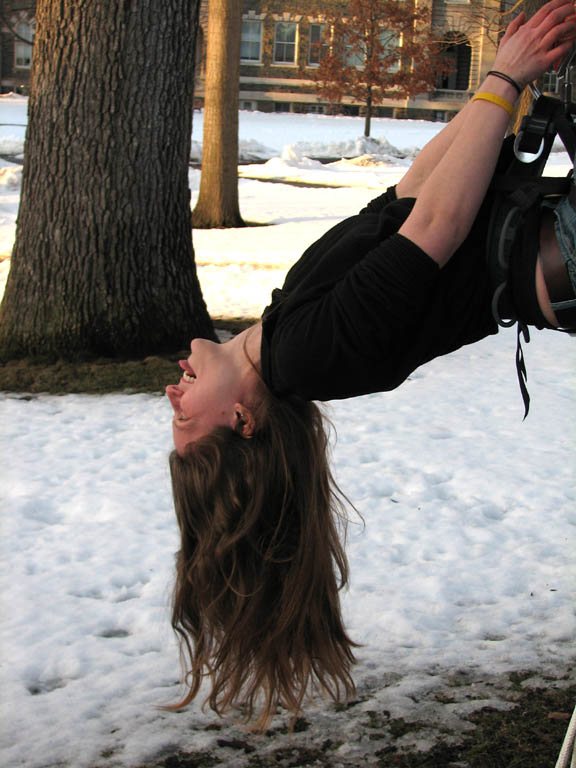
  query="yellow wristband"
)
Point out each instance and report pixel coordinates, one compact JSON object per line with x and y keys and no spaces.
{"x":498,"y":100}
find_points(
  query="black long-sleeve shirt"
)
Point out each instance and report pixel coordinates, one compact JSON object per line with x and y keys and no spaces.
{"x":364,"y":307}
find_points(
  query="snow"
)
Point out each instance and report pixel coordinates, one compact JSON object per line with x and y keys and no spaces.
{"x":463,"y":567}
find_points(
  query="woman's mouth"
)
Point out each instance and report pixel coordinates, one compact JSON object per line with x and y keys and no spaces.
{"x":189,"y":376}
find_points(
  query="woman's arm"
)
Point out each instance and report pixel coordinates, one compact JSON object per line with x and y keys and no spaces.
{"x":429,"y":157}
{"x":450,"y":197}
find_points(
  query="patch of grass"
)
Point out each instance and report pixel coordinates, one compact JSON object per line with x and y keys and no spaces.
{"x":526,"y":735}
{"x":234,"y":325}
{"x":196,"y":225}
{"x":189,"y":760}
{"x":342,"y":706}
{"x":299,"y":725}
{"x":238,"y":744}
{"x":523,"y":736}
{"x":293,"y":757}
{"x":395,"y":726}
{"x":95,"y":377}
{"x":102,"y":375}
{"x":440,"y":756}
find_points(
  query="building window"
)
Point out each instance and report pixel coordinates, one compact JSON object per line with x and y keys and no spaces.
{"x":391,"y":42}
{"x":285,"y":42}
{"x":353,"y":56}
{"x":23,"y":51}
{"x":458,"y":54}
{"x":318,"y":47}
{"x":251,"y":43}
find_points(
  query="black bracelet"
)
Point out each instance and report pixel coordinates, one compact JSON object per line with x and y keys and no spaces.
{"x":508,"y":79}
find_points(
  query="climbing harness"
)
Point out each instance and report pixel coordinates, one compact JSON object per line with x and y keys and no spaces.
{"x":519,"y":193}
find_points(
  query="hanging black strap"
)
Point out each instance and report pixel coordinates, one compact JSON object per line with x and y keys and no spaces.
{"x":521,"y":365}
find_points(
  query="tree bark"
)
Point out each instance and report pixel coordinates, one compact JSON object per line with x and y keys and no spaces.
{"x":103,"y":261}
{"x":217,"y":204}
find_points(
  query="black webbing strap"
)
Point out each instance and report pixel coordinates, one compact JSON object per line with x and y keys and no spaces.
{"x":521,"y":365}
{"x":543,"y":186}
{"x":549,"y":117}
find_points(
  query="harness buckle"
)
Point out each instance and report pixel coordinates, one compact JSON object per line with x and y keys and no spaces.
{"x":525,"y":155}
{"x":537,"y":129}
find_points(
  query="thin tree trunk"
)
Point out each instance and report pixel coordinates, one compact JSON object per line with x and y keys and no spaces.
{"x":368,"y":118}
{"x":218,"y":204}
{"x":103,"y":260}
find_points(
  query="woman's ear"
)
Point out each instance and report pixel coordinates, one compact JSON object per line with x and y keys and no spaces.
{"x":244,"y":422}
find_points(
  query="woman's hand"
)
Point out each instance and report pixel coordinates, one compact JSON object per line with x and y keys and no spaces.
{"x":449,"y":199}
{"x":530,"y":48}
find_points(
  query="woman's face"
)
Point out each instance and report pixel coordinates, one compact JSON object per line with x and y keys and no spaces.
{"x":206,"y":394}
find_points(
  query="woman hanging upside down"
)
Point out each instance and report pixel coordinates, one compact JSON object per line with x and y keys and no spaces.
{"x":256,"y":601}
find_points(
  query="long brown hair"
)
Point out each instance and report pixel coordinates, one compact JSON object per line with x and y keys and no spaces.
{"x":256,"y":604}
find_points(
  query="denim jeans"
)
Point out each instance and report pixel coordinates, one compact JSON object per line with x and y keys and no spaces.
{"x":565,"y":228}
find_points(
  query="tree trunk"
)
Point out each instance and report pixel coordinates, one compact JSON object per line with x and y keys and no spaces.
{"x":217,"y":204}
{"x":103,"y":261}
{"x":368,"y":117}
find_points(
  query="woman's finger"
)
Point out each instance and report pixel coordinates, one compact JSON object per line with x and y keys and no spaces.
{"x":559,"y":35}
{"x":548,"y":26}
{"x":559,"y":52}
{"x":546,"y":10}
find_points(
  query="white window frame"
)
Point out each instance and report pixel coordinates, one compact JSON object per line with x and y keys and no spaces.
{"x":353,"y":60}
{"x":251,"y":42}
{"x":284,"y":62}
{"x":23,"y":51}
{"x":323,"y":46}
{"x":398,"y":37}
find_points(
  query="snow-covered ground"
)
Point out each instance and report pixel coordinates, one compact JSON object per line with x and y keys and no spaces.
{"x":463,"y":570}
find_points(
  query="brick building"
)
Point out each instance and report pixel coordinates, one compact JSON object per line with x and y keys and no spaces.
{"x":279,"y":55}
{"x":17,"y":25}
